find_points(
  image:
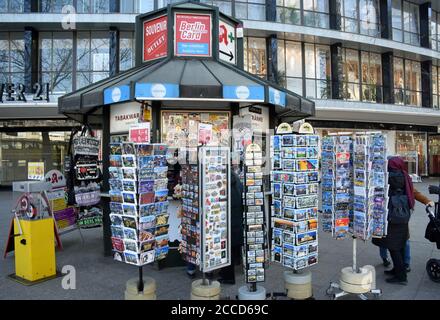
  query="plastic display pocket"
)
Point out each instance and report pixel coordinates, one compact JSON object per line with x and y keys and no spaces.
{"x":86,"y":170}
{"x":82,"y":145}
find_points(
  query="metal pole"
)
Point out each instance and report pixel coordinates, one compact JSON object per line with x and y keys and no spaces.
{"x":354,"y":255}
{"x":141,"y":281}
{"x":253,"y":287}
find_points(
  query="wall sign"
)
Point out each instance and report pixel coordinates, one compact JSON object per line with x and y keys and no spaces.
{"x":11,"y":92}
{"x":123,"y":115}
{"x":192,"y":35}
{"x":140,"y":133}
{"x":227,"y":42}
{"x":35,"y":170}
{"x":155,"y":39}
{"x":156,"y":91}
{"x":277,"y":97}
{"x":56,"y":179}
{"x":116,"y":94}
{"x":246,"y":93}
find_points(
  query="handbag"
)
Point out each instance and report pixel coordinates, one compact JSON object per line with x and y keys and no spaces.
{"x":399,"y":211}
{"x":432,"y":232}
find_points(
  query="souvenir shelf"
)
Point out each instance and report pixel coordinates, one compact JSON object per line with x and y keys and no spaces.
{"x":294,"y":183}
{"x":190,"y":217}
{"x":255,"y":245}
{"x":138,"y":207}
{"x":337,"y":185}
{"x":370,"y":201}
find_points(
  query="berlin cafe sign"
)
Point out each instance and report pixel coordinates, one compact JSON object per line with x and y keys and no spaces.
{"x":10,"y":92}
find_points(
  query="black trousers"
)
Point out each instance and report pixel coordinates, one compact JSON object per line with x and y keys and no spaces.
{"x":228,"y":273}
{"x":398,"y":257}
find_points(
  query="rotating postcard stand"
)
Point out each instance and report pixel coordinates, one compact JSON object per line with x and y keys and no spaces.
{"x":294,"y":183}
{"x":254,"y":248}
{"x":206,"y":215}
{"x":355,"y":200}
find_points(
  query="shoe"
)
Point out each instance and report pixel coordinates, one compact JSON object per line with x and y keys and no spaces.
{"x":390,"y":272}
{"x":226,"y":281}
{"x":386,"y":263}
{"x":396,"y":280}
{"x":407,"y":268}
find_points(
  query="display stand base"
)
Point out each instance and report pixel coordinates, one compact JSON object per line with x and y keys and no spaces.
{"x":298,"y":285}
{"x":205,"y":290}
{"x":26,"y":282}
{"x":361,"y":283}
{"x":245,"y":294}
{"x":132,"y":292}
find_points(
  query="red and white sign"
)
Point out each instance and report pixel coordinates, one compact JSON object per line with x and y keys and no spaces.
{"x":227,"y":42}
{"x":193,"y":35}
{"x":155,"y":38}
{"x":140,"y":133}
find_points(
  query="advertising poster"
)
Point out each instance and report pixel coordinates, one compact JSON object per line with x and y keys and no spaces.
{"x":35,"y":170}
{"x":205,"y":133}
{"x":192,"y":35}
{"x":155,"y":39}
{"x":140,"y":133}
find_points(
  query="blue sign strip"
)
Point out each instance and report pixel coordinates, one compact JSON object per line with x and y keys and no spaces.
{"x":156,"y":90}
{"x":254,"y":93}
{"x":190,"y":48}
{"x":277,"y":97}
{"x":116,"y":94}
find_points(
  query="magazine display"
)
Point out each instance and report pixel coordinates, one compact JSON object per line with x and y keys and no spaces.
{"x":215,"y":206}
{"x":190,"y":218}
{"x":139,"y":205}
{"x":337,"y":185}
{"x":254,"y":249}
{"x":370,"y":200}
{"x":294,"y":183}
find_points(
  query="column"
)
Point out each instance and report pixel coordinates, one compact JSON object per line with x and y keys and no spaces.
{"x":425,"y":22}
{"x":271,"y":10}
{"x":337,"y":70}
{"x":114,"y":6}
{"x":30,"y":58}
{"x":335,"y":14}
{"x":388,"y":77}
{"x":114,"y":51}
{"x":386,"y":19}
{"x":427,"y":84}
{"x":272,"y":58}
{"x":30,"y":6}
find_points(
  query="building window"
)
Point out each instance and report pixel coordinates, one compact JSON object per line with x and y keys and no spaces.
{"x":318,"y":71}
{"x":136,"y":6}
{"x":54,"y":6}
{"x":164,"y":3}
{"x":250,"y":9}
{"x":371,"y":68}
{"x":93,"y":6}
{"x":316,"y":13}
{"x":435,"y":31}
{"x":56,"y":50}
{"x":290,"y":73}
{"x":350,"y":75}
{"x":289,"y":11}
{"x":224,"y":6}
{"x":92,"y":57}
{"x":126,"y":50}
{"x":11,"y":57}
{"x":407,"y":82}
{"x":435,"y":87}
{"x":405,"y":22}
{"x":255,"y":56}
{"x":349,"y":15}
{"x":369,"y":17}
{"x":11,"y":6}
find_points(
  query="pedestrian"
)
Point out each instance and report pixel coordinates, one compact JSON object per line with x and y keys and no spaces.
{"x":401,"y":202}
{"x":407,"y":256}
{"x":227,"y":274}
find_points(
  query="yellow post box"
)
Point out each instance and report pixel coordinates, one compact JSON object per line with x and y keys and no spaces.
{"x":35,"y":249}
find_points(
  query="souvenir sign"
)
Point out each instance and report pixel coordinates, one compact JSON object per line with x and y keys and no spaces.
{"x":215,"y":207}
{"x":295,"y":198}
{"x":138,"y":194}
{"x":284,"y":128}
{"x":254,"y":218}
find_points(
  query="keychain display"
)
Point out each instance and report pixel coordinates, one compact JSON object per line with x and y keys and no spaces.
{"x":255,"y":245}
{"x":294,"y":184}
{"x":83,"y":177}
{"x":337,"y":185}
{"x":139,"y":206}
{"x":370,"y":203}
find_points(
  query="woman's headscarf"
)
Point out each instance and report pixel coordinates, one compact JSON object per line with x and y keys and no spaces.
{"x":396,"y":163}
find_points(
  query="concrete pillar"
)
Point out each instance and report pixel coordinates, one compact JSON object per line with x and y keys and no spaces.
{"x":427,"y":84}
{"x":425,"y":24}
{"x":30,"y":58}
{"x":388,"y":77}
{"x":386,"y":19}
{"x":336,"y":70}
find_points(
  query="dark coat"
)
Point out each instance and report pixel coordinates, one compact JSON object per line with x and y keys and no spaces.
{"x":236,"y":211}
{"x":397,"y":234}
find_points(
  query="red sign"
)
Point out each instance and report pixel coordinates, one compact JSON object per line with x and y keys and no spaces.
{"x":140,"y":133}
{"x":155,"y":38}
{"x":192,"y":35}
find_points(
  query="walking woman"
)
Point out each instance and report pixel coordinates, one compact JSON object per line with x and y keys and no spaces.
{"x":401,"y":202}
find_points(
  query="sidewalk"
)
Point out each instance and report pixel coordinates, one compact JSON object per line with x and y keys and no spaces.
{"x":102,"y":278}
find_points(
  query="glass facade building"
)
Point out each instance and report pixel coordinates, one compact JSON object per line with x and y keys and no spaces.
{"x":359,"y":60}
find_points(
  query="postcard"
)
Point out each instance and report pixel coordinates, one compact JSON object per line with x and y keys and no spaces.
{"x":115,"y":173}
{"x":161,"y":195}
{"x":162,"y":219}
{"x":117,"y":232}
{"x":129,"y":160}
{"x":161,"y":252}
{"x":129,"y":185}
{"x":130,"y":233}
{"x":118,"y":244}
{"x":116,"y":148}
{"x":147,"y":245}
{"x":131,"y":245}
{"x":144,"y":149}
{"x":303,"y":238}
{"x":288,"y":140}
{"x":116,"y":220}
{"x":146,"y":186}
{"x":159,"y":149}
{"x":147,"y":222}
{"x":128,"y":148}
{"x":129,"y":222}
{"x":116,"y":196}
{"x":131,"y":258}
{"x":129,"y":173}
{"x":147,"y":257}
{"x":115,"y":160}
{"x":116,"y":208}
